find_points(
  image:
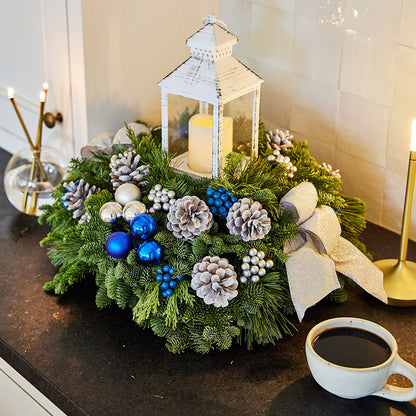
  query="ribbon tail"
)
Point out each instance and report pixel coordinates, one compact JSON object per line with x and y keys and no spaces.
{"x":311,"y":277}
{"x":353,"y":263}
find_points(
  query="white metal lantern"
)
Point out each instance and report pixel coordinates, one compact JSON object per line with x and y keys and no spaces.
{"x":216,"y":82}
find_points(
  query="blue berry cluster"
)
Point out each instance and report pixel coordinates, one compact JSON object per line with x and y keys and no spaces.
{"x":165,"y":277}
{"x":220,"y":201}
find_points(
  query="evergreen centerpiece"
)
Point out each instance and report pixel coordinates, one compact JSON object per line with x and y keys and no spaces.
{"x":196,"y":277}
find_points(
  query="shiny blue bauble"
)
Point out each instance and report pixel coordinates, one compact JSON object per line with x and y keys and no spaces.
{"x":118,"y":245}
{"x":150,"y":253}
{"x":143,"y":226}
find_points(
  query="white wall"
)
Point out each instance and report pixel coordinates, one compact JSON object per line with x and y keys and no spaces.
{"x":129,"y":47}
{"x":341,"y":74}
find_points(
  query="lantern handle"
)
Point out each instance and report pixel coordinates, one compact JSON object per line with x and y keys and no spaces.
{"x":211,"y":18}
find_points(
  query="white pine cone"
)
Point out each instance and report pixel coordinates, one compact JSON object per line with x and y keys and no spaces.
{"x":215,"y":281}
{"x":248,"y":220}
{"x":76,"y":196}
{"x":279,"y":140}
{"x":126,"y":170}
{"x":188,"y":217}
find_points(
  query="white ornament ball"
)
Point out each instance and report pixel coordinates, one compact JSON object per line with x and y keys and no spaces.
{"x":245,"y":266}
{"x":126,"y":193}
{"x":171,"y":194}
{"x":157,"y":206}
{"x":255,"y":279}
{"x":261,"y":264}
{"x":255,"y":260}
{"x":110,"y":211}
{"x":164,"y":198}
{"x":252,"y":252}
{"x":243,"y":279}
{"x":246,"y":259}
{"x":254,"y":269}
{"x":166,"y":206}
{"x":156,"y":199}
{"x":260,"y":255}
{"x":261,"y":272}
{"x":132,"y":209}
{"x":246,"y":273}
{"x":151,"y":196}
{"x":158,"y":187}
{"x":269,"y":264}
{"x":172,"y":201}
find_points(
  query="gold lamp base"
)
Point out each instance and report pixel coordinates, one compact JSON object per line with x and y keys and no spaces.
{"x":399,"y":281}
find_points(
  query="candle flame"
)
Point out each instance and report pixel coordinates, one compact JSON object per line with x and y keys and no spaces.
{"x":10,"y":92}
{"x":42,"y":96}
{"x":413,"y":142}
{"x":45,"y":86}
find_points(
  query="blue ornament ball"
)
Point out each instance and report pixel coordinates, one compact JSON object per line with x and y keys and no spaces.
{"x":172,"y":284}
{"x":143,"y":226}
{"x":164,"y":285}
{"x":118,"y":245}
{"x":159,"y":277}
{"x":166,"y":277}
{"x":150,"y":253}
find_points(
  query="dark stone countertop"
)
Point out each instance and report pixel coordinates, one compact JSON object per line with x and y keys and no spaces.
{"x":99,"y":362}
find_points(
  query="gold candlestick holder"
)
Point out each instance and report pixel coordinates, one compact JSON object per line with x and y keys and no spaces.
{"x":400,"y":274}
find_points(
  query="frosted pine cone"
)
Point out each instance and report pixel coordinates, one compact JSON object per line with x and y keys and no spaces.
{"x":124,"y":170}
{"x":76,"y":196}
{"x":279,"y":140}
{"x":215,"y":281}
{"x":248,"y":220}
{"x":188,"y":217}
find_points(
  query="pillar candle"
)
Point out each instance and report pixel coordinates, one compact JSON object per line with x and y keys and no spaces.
{"x":200,"y":141}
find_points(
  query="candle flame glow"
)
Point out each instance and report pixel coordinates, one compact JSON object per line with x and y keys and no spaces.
{"x":413,"y":142}
{"x":45,"y":86}
{"x":42,"y":96}
{"x":10,"y":92}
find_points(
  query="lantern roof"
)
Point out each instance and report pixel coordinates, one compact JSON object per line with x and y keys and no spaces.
{"x":211,"y":74}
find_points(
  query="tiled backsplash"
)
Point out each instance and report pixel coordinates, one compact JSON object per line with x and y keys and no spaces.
{"x":342,"y":75}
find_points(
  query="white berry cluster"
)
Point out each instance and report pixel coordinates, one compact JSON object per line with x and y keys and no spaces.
{"x":277,"y":157}
{"x":254,"y":266}
{"x":161,"y":198}
{"x":332,"y":172}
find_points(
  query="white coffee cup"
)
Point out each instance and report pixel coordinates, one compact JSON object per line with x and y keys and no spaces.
{"x":352,"y":383}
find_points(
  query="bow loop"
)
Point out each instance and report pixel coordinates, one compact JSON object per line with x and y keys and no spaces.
{"x":318,"y":251}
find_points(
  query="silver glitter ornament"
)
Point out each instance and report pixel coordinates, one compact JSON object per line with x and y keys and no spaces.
{"x":126,"y":193}
{"x":255,"y":279}
{"x":157,"y":206}
{"x":252,"y":252}
{"x":132,"y":209}
{"x":260,"y":255}
{"x":164,"y":198}
{"x":246,"y":259}
{"x":243,"y":279}
{"x":171,"y":194}
{"x":246,"y":273}
{"x":158,"y":187}
{"x":166,"y":206}
{"x":110,"y":211}
{"x":261,"y":264}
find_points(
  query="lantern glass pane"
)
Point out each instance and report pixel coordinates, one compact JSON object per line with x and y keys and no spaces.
{"x":180,"y":110}
{"x":241,"y":110}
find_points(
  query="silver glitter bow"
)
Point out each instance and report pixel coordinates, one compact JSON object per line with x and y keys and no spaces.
{"x":318,"y":251}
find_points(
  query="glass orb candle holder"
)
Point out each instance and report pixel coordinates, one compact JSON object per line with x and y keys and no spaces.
{"x":26,"y":186}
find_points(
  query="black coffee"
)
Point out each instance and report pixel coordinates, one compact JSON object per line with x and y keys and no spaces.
{"x":351,"y":347}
